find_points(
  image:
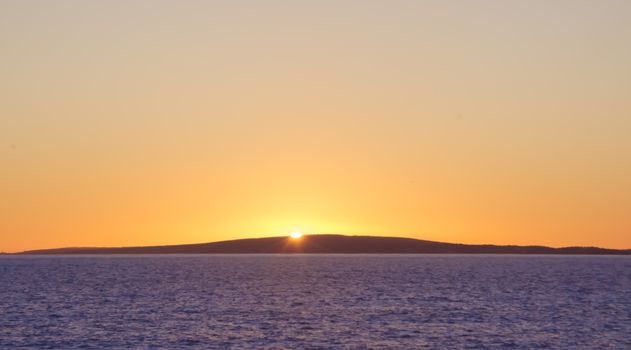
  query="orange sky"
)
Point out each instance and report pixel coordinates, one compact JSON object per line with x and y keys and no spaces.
{"x":164,"y":122}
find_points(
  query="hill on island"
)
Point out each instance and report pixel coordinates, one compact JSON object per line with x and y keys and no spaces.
{"x":333,"y":244}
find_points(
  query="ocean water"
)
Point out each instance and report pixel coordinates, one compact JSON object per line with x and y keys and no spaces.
{"x":315,"y":302}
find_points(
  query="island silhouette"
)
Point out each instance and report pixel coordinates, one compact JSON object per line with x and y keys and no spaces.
{"x":332,"y":244}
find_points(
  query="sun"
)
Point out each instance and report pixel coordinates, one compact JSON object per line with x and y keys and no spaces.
{"x":296,"y":235}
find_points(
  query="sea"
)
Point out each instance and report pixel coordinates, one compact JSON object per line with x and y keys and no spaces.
{"x":315,"y":302}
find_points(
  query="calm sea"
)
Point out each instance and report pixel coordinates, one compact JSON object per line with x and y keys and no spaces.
{"x":315,"y":302}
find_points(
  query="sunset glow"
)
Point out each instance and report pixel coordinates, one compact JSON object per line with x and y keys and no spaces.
{"x":170,"y":122}
{"x":296,"y":235}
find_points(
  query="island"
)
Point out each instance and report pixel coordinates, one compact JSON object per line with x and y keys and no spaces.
{"x":332,"y":244}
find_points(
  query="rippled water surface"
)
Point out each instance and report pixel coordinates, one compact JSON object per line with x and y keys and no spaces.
{"x":317,"y":301}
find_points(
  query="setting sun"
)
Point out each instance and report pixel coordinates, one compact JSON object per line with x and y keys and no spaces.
{"x":296,"y":235}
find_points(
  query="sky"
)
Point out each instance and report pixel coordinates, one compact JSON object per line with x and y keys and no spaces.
{"x":166,"y":122}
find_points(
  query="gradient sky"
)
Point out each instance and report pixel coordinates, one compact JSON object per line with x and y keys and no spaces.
{"x":165,"y":122}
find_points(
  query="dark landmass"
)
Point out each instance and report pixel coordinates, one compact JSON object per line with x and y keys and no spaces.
{"x":333,"y":244}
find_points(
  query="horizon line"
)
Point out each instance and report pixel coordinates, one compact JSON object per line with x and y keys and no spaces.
{"x":311,"y":235}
